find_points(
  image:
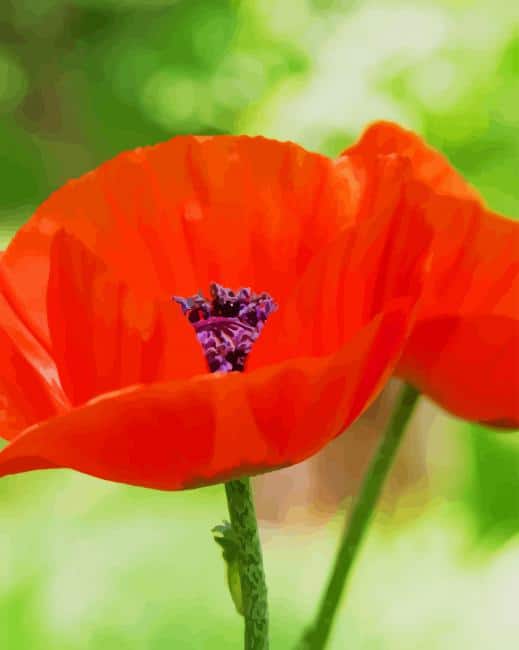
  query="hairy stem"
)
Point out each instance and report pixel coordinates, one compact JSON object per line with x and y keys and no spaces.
{"x":252,"y":575}
{"x":362,"y":511}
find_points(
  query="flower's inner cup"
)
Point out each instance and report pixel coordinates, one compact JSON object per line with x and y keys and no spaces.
{"x":228,"y":324}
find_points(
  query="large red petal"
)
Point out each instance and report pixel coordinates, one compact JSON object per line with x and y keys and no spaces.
{"x":214,"y":427}
{"x":171,"y":218}
{"x":106,"y":336}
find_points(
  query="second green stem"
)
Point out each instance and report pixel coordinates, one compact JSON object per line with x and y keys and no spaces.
{"x":361,"y":514}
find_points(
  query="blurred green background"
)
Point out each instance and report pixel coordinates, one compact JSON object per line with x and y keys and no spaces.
{"x":86,"y":564}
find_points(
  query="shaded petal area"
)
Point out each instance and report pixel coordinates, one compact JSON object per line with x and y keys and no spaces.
{"x":30,"y":390}
{"x":211,"y":428}
{"x":106,"y":336}
{"x":469,"y":365}
{"x":358,"y":275}
{"x":464,"y":350}
{"x":171,"y":218}
{"x":475,"y":262}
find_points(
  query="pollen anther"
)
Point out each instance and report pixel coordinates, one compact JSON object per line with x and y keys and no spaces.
{"x":228,"y":324}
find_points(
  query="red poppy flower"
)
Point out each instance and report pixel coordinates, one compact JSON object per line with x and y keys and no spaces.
{"x":464,"y":349}
{"x":103,"y":373}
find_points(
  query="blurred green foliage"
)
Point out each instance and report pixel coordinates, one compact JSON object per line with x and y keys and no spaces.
{"x":85,"y":564}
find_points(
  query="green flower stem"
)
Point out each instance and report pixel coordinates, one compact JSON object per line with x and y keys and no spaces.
{"x":252,"y":575}
{"x":361,"y":514}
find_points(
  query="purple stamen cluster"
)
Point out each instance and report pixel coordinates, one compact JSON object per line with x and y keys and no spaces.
{"x":228,"y":324}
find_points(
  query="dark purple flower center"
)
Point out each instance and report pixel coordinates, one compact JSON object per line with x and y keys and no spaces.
{"x":228,"y":324}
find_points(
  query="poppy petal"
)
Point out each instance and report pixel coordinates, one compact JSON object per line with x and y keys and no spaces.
{"x":29,"y":386}
{"x":469,"y":365}
{"x":211,"y":428}
{"x":104,"y":336}
{"x":429,"y":165}
{"x":475,"y":266}
{"x":355,"y":277}
{"x":473,"y":283}
{"x":171,"y":218}
{"x":464,"y":351}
